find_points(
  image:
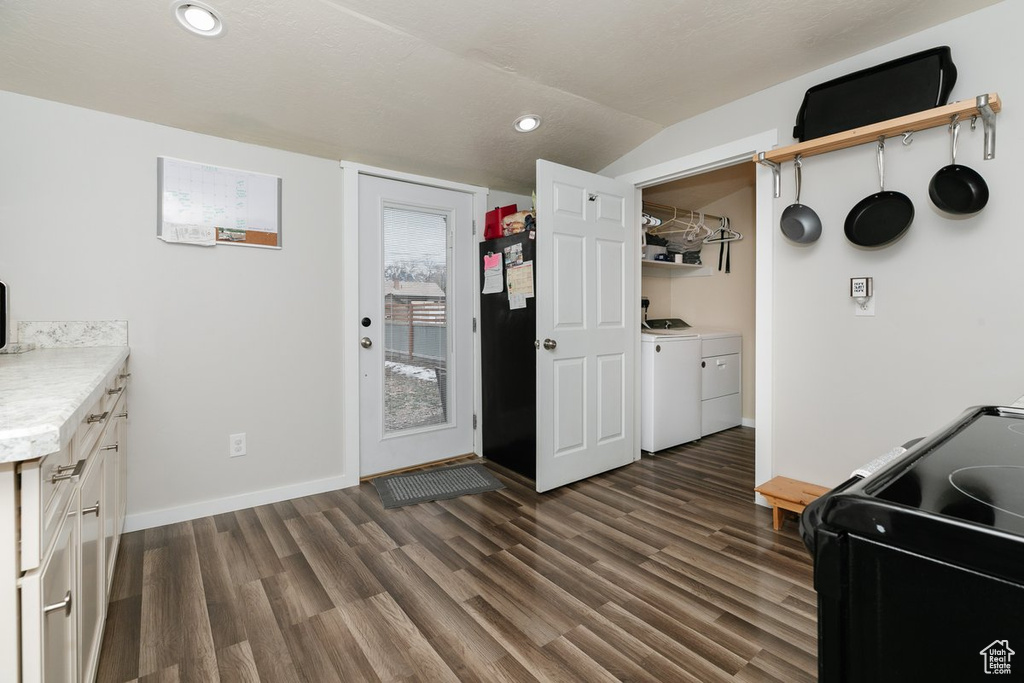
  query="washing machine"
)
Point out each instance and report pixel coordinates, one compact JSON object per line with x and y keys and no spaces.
{"x":670,"y":384}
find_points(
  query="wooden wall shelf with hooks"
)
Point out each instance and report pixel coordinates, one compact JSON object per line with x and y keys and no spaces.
{"x":923,"y":120}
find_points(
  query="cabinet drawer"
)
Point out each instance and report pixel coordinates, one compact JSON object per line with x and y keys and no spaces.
{"x":49,"y":603}
{"x":720,"y":376}
{"x":99,"y":414}
{"x":720,"y":413}
{"x":721,"y":346}
{"x":91,"y":563}
{"x":117,"y":384}
{"x":114,"y":468}
{"x":42,"y":500}
{"x":51,"y":466}
{"x":92,"y":424}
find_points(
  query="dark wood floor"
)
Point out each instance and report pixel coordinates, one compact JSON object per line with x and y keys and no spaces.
{"x":660,"y":571}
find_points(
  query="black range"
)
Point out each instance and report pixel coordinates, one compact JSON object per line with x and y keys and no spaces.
{"x":919,"y":568}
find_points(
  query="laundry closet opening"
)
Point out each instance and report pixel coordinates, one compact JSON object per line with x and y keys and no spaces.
{"x":711,"y":217}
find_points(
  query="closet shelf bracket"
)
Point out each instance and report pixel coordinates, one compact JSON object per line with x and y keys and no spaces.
{"x":776,"y":172}
{"x":988,"y":119}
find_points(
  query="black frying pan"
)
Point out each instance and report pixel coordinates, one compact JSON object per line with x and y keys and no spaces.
{"x":882,"y":217}
{"x":958,"y":189}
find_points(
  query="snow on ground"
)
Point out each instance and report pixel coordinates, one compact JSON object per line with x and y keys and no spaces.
{"x":413,"y":371}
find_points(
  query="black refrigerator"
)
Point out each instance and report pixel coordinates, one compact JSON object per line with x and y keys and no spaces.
{"x":508,"y":361}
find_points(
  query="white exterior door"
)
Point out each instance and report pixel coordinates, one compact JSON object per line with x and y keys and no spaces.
{"x":587,"y":324}
{"x":415,"y":315}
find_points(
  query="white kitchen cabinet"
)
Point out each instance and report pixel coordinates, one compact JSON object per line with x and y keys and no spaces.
{"x":115,"y":472}
{"x":67,"y":505}
{"x":92,"y":557}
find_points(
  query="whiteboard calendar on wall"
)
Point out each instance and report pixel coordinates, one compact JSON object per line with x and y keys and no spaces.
{"x":209,"y":205}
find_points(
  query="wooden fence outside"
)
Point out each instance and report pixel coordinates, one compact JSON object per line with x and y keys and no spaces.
{"x":415,"y":315}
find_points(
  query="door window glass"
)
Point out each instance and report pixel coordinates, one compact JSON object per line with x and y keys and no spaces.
{"x":415,"y":266}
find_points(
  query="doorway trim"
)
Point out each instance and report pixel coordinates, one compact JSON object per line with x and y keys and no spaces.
{"x":714,"y":158}
{"x":350,"y":303}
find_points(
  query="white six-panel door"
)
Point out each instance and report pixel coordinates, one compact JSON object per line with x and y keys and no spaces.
{"x":585,"y":266}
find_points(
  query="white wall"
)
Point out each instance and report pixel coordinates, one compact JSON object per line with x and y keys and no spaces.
{"x":223,"y":339}
{"x":496,"y":198}
{"x":949,"y":323}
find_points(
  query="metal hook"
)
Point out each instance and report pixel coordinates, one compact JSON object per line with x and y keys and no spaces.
{"x":881,"y":163}
{"x":974,"y":122}
{"x":908,"y":137}
{"x":953,"y":121}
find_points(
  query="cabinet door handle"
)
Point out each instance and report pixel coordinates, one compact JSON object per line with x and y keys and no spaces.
{"x":125,"y":375}
{"x":118,"y":390}
{"x":64,"y":604}
{"x":68,"y":471}
{"x":111,"y":447}
{"x":124,"y":414}
{"x":97,"y":417}
{"x":92,"y":510}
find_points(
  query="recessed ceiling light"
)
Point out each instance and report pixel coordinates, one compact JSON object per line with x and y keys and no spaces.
{"x":527,"y":123}
{"x":198,"y":18}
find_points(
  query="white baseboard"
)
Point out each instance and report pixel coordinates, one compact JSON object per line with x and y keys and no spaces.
{"x":155,"y":518}
{"x":748,"y":422}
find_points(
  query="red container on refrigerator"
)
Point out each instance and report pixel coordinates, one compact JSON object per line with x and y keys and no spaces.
{"x":492,"y":220}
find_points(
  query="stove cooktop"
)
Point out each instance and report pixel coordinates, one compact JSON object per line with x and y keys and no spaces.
{"x":975,"y":475}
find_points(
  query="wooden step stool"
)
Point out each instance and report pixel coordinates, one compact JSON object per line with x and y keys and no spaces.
{"x":784,"y":493}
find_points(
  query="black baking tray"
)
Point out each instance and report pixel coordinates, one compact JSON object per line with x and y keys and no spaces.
{"x":903,"y":86}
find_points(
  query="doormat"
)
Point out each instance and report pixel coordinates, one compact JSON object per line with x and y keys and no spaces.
{"x":441,"y":484}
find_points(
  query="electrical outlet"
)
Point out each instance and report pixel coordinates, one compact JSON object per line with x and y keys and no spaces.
{"x":863,"y":295}
{"x":236,"y":445}
{"x":865,"y":309}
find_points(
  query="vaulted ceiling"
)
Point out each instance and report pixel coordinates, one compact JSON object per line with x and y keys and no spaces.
{"x":433,"y":87}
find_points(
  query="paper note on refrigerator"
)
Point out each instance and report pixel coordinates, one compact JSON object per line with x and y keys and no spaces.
{"x":514,"y":254}
{"x":516,"y":301}
{"x":493,"y":283}
{"x":520,"y":280}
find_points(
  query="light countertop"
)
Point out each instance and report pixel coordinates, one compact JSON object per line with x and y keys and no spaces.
{"x":44,"y":395}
